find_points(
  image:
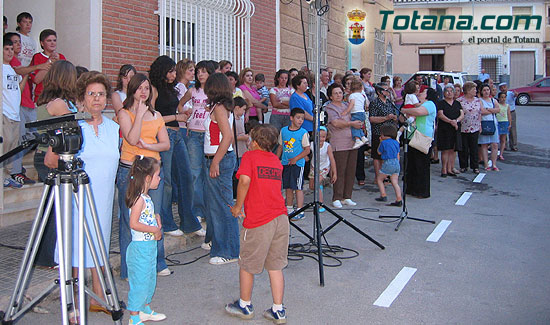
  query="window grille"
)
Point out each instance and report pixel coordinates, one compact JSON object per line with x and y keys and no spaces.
{"x":206,"y":30}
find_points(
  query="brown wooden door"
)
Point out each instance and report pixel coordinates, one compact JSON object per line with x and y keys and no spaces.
{"x":522,"y":68}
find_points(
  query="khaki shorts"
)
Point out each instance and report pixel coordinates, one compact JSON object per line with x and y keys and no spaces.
{"x":265,"y":246}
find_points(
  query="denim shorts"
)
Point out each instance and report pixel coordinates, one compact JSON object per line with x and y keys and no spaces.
{"x":390,"y":167}
{"x":503,"y":127}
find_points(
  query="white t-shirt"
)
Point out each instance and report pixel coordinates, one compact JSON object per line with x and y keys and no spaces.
{"x":10,"y":93}
{"x":411,"y":99}
{"x":182,"y":89}
{"x":28,"y":49}
{"x":324,"y":160}
{"x":360,"y":99}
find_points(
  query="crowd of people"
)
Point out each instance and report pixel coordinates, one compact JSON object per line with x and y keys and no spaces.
{"x":188,"y":133}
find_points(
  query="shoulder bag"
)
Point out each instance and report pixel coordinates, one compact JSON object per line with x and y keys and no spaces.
{"x":488,"y":127}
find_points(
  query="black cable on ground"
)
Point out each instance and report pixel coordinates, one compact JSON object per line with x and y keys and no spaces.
{"x":175,"y":262}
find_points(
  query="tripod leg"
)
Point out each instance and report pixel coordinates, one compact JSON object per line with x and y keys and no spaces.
{"x":30,"y":252}
{"x":110,"y":291}
{"x":63,"y":282}
{"x":319,"y":248}
{"x":81,"y":269}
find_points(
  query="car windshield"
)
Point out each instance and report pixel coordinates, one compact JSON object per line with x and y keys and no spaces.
{"x":535,"y":82}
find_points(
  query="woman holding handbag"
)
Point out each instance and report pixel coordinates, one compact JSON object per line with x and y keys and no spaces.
{"x":489,"y":127}
{"x":418,"y":163}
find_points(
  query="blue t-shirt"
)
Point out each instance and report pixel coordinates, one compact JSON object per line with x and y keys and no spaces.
{"x":305,"y":104}
{"x":389,"y":149}
{"x":511,"y":100}
{"x":293,"y":144}
{"x":426,"y":123}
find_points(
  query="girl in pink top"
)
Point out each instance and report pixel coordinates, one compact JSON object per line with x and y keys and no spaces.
{"x":256,"y":109}
{"x":196,"y":116}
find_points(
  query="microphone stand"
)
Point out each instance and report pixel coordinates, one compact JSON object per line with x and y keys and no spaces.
{"x":405,"y":212}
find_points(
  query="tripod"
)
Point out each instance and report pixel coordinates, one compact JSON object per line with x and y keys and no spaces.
{"x":69,"y":181}
{"x":405,"y":212}
{"x":318,"y":232}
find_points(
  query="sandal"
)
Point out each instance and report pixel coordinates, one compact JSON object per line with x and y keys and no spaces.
{"x":451,"y":174}
{"x":487,"y":168}
{"x":361,"y":183}
{"x":476,"y":170}
{"x":496,"y":169}
{"x":500,"y":157}
{"x":98,"y":309}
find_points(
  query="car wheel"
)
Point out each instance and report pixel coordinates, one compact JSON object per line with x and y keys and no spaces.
{"x":523,"y":99}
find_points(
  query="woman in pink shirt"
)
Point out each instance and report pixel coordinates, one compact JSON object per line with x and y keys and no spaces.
{"x":256,"y":108}
{"x":197,"y":116}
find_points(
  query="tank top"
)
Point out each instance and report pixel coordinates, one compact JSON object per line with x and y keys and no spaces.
{"x":122,"y":95}
{"x":167,"y":104}
{"x":254,"y":93}
{"x":200,"y":114}
{"x":146,"y":217}
{"x":213,"y":136}
{"x":149,"y":131}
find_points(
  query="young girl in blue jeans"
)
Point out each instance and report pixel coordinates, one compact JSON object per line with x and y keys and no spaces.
{"x":146,"y":227}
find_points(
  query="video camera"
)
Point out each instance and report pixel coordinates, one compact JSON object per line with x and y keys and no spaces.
{"x":62,"y":133}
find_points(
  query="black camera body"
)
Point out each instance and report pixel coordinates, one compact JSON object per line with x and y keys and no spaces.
{"x":62,"y":133}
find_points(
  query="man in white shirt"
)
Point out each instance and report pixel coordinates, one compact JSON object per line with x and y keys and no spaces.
{"x":28,"y":44}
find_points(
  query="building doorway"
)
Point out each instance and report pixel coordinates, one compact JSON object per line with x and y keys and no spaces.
{"x":522,"y":68}
{"x":431,"y":59}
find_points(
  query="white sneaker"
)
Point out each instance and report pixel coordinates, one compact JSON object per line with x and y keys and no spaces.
{"x":201,"y":232}
{"x":206,"y":246}
{"x":221,"y":260}
{"x":165,"y":272}
{"x":364,"y":139}
{"x":155,"y":317}
{"x":358,"y":143}
{"x":349,"y":202}
{"x":289,"y":209}
{"x":337,"y":204}
{"x":175,"y":233}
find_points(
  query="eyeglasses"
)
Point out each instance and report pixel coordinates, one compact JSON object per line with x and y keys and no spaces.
{"x":98,"y":94}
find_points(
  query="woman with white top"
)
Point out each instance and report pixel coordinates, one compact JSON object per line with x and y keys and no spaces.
{"x":280,"y":97}
{"x":222,"y":228}
{"x":126,"y":72}
{"x":488,"y":110}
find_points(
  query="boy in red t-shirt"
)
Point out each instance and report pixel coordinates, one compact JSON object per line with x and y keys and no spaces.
{"x":264,"y":236}
{"x":48,"y":42}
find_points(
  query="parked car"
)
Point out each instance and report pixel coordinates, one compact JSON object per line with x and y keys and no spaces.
{"x":537,"y":91}
{"x":438,"y":76}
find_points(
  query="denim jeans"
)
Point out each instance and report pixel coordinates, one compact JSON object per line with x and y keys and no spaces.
{"x":357,"y":133}
{"x":221,"y":227}
{"x":195,"y":148}
{"x":124,"y":234}
{"x":177,"y":175}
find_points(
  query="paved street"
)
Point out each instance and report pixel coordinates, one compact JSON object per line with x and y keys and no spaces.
{"x":490,"y":266}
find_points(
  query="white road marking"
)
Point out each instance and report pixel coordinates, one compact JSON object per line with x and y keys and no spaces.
{"x":438,"y":231}
{"x":479,"y":177}
{"x":463,"y":198}
{"x":395,"y":287}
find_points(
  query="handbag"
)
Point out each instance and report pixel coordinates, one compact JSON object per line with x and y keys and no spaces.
{"x":488,"y":127}
{"x":420,"y":141}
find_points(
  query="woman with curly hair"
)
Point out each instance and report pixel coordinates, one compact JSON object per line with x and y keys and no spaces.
{"x":165,"y":100}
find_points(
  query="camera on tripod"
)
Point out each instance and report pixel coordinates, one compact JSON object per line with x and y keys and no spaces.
{"x":62,"y":133}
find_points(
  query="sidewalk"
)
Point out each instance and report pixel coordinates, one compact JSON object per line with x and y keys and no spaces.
{"x":17,"y":236}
